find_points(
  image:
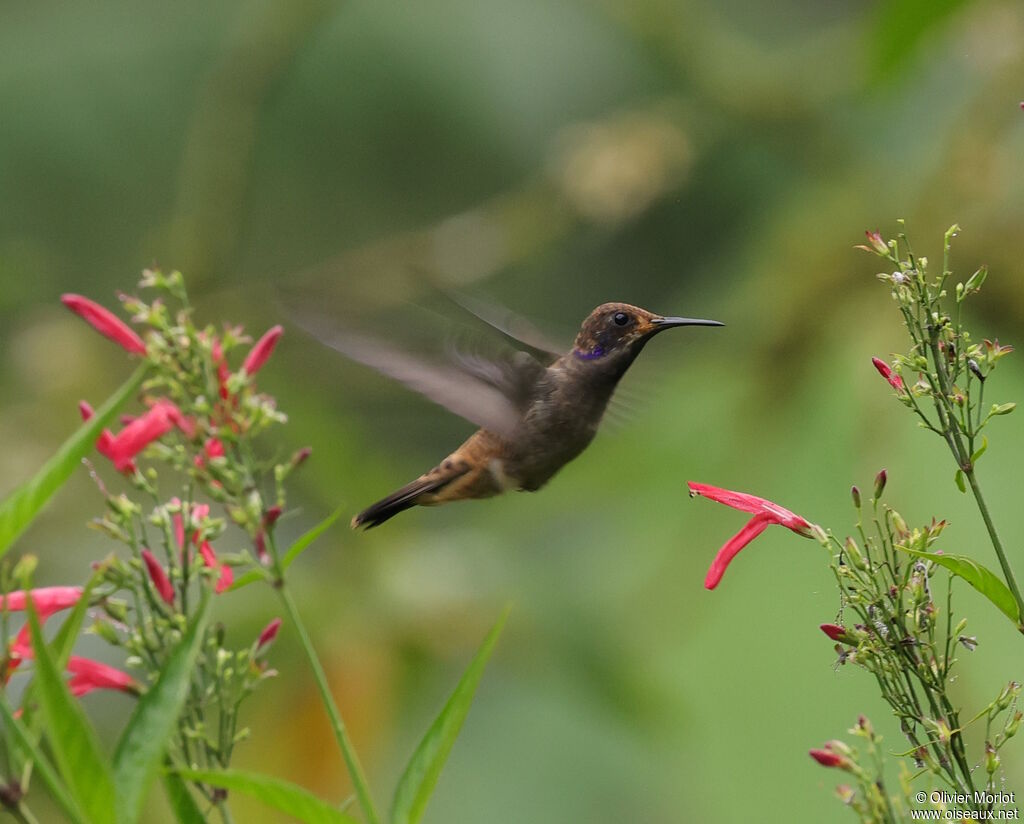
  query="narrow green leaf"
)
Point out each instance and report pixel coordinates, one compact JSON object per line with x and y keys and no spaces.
{"x":140,"y":749}
{"x":186,"y":809}
{"x":980,"y":450}
{"x":73,"y":740}
{"x":961,"y":484}
{"x":20,"y":508}
{"x":274,"y":792}
{"x":421,"y":774}
{"x":28,"y":741}
{"x":301,"y":545}
{"x":979,"y":577}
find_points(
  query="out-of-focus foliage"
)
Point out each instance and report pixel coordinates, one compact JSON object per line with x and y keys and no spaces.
{"x":699,"y":158}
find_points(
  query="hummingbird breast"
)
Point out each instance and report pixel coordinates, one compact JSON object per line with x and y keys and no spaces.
{"x":557,"y":426}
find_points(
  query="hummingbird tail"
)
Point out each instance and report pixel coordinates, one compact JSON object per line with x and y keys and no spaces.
{"x":398,"y":501}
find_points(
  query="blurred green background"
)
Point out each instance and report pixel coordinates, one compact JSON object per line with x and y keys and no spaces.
{"x":717,"y":159}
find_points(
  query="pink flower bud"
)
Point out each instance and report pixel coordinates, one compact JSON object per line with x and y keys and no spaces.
{"x":827,"y":758}
{"x":105,"y":322}
{"x":269,"y":634}
{"x":158,"y":575}
{"x":877,"y":243}
{"x":270,"y":516}
{"x":835,"y":632}
{"x":262,"y":350}
{"x":895,"y":381}
{"x":880,"y":480}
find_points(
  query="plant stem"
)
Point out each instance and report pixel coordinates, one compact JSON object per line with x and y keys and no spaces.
{"x":355,"y":769}
{"x":997,"y":545}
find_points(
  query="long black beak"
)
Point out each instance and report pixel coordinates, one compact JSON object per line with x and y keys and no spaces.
{"x":668,"y":323}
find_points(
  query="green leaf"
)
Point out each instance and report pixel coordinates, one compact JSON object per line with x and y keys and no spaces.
{"x":141,"y":747}
{"x":73,"y":740}
{"x":980,"y":450}
{"x":274,"y":792}
{"x":978,"y":576}
{"x":184,"y":805}
{"x":301,"y":545}
{"x":20,"y":508}
{"x":28,"y":741}
{"x":421,"y":774}
{"x":961,"y":484}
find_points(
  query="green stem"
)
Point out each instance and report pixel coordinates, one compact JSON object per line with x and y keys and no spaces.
{"x":225,"y":813}
{"x":997,"y":544}
{"x":355,"y":769}
{"x":964,"y":461}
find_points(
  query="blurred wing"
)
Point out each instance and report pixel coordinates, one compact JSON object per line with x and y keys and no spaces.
{"x":514,"y":375}
{"x":465,"y":392}
{"x":509,"y":324}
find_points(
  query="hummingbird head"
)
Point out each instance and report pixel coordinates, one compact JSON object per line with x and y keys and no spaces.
{"x":619,"y":328}
{"x":614,"y":333}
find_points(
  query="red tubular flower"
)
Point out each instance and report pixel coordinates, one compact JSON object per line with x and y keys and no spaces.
{"x":227,"y":575}
{"x":765,"y":513}
{"x":223,"y":373}
{"x":105,"y":322}
{"x":158,"y":575}
{"x":269,"y":634}
{"x":47,"y":601}
{"x":827,"y":758}
{"x":835,"y":632}
{"x":106,"y":436}
{"x":895,"y":381}
{"x":88,"y":675}
{"x":136,"y":436}
{"x":262,"y":350}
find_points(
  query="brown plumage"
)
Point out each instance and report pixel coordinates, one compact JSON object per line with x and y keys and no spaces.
{"x":534,"y":416}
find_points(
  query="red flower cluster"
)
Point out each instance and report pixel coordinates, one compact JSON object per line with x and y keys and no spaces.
{"x":87,"y":675}
{"x":765,"y":513}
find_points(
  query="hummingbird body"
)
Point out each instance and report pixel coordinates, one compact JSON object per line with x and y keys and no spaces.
{"x":540,"y":418}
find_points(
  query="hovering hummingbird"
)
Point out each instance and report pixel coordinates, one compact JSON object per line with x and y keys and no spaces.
{"x":534,"y":416}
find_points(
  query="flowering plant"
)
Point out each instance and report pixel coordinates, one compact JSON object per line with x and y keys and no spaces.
{"x":195,"y":509}
{"x":896,"y":616}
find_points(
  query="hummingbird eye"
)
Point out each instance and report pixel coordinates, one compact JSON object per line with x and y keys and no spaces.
{"x":620,"y":318}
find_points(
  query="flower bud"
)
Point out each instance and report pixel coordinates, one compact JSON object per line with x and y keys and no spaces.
{"x":158,"y":576}
{"x":835,"y":632}
{"x":877,"y":243}
{"x":1014,"y":725}
{"x":880,"y":480}
{"x":827,"y":758}
{"x":1009,"y":692}
{"x":853,"y":552}
{"x":855,"y":494}
{"x":991,"y":758}
{"x":268,"y":634}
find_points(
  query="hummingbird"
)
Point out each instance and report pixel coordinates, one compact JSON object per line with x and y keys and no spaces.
{"x":537,"y":410}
